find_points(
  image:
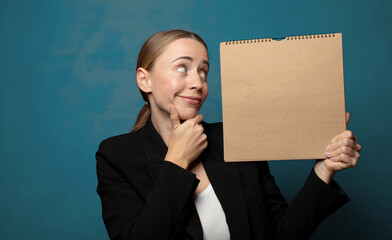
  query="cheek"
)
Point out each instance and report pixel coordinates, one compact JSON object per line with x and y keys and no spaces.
{"x":174,"y":85}
{"x":167,"y":87}
{"x":161,"y":82}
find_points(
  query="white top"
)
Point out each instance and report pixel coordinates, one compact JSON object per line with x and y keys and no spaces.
{"x":212,"y":217}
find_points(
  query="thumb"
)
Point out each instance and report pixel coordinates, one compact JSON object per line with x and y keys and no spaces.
{"x":348,"y":115}
{"x":174,"y":116}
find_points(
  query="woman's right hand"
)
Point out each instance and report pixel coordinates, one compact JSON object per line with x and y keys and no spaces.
{"x":187,"y":140}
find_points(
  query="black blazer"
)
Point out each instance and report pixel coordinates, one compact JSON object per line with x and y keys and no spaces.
{"x":145,"y":197}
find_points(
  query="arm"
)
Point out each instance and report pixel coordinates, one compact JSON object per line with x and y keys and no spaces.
{"x":313,"y":203}
{"x":128,"y":215}
{"x":132,"y":208}
{"x":319,"y":197}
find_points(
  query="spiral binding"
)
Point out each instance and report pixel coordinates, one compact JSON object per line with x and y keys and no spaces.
{"x":313,"y":36}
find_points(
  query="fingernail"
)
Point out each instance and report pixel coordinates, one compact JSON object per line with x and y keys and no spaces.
{"x":327,"y":154}
{"x":329,"y":148}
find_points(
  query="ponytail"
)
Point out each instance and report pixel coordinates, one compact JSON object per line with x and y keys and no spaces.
{"x":142,"y":117}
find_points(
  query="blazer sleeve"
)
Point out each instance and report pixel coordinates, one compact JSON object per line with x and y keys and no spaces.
{"x":128,"y":215}
{"x":313,"y":203}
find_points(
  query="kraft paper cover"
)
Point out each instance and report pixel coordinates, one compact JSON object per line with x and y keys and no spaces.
{"x":282,"y":99}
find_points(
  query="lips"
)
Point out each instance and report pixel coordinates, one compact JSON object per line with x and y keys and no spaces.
{"x":191,"y":100}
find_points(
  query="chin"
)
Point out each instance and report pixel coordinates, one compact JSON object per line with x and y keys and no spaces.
{"x":185,"y":115}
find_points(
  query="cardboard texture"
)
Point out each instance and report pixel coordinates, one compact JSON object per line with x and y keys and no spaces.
{"x":283,"y":99}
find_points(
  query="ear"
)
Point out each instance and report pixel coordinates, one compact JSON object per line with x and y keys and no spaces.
{"x":143,"y":80}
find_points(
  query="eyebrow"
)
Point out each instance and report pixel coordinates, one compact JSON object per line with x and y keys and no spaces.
{"x":191,"y":59}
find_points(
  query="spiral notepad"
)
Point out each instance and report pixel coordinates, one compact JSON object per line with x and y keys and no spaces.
{"x":281,"y":99}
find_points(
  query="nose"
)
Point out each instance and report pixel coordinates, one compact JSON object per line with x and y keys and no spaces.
{"x":196,"y":81}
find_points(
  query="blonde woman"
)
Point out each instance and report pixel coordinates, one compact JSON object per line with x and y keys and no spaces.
{"x":167,"y":179}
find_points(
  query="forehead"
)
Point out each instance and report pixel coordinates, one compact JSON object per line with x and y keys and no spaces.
{"x":185,"y":47}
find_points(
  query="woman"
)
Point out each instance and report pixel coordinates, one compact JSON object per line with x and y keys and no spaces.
{"x":167,"y":180}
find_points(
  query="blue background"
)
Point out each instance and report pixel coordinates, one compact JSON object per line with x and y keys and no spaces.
{"x":67,"y":81}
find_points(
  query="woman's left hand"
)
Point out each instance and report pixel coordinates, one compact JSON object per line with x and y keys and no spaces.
{"x":342,"y":153}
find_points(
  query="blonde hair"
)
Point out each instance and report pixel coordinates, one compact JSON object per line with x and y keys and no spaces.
{"x":151,"y":49}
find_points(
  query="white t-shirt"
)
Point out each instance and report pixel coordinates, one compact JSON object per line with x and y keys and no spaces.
{"x":212,"y":216}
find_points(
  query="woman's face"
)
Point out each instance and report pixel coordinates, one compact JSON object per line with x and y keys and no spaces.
{"x":179,"y":78}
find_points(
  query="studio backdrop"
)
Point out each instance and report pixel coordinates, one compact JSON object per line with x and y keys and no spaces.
{"x":67,"y":81}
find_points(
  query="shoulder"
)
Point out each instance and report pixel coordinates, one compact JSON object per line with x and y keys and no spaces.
{"x":119,"y":141}
{"x":120,"y":147}
{"x":122,"y":139}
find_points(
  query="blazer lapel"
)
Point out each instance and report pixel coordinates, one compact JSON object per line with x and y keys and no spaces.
{"x":155,"y":150}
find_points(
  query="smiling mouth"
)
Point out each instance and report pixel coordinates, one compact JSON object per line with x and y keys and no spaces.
{"x":192,"y":100}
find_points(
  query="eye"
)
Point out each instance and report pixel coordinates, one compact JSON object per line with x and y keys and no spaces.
{"x":181,"y":69}
{"x":203,"y":73}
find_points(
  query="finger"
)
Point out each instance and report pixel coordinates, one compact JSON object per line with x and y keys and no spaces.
{"x":348,"y":115}
{"x":174,"y":116}
{"x":203,"y":138}
{"x":342,"y":150}
{"x":345,"y":134}
{"x":204,"y":143}
{"x":346,"y":160}
{"x":198,"y":118}
{"x":358,"y":147}
{"x":355,"y":138}
{"x":342,"y":142}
